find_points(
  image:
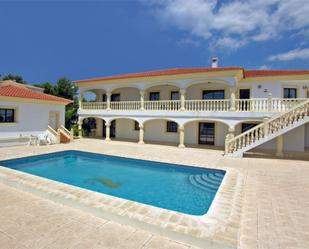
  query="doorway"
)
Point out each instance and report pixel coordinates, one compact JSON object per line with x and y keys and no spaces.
{"x":206,"y":133}
{"x":244,"y":94}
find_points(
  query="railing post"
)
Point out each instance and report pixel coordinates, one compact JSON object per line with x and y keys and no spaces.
{"x":141,"y":134}
{"x":182,"y":99}
{"x":80,"y":131}
{"x":233,"y":101}
{"x":80,"y":100}
{"x":228,"y":137}
{"x":270,"y":102}
{"x":108,"y":100}
{"x":266,"y":128}
{"x":181,"y":130}
{"x":142,"y":96}
{"x":279,"y":145}
{"x":107,"y":131}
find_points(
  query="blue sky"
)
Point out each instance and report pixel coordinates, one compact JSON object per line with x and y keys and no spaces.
{"x":45,"y":40}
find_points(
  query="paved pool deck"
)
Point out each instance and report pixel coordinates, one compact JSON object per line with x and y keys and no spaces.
{"x":275,"y":207}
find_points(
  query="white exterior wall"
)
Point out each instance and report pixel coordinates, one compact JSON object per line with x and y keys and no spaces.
{"x":273,"y":87}
{"x":165,"y":91}
{"x":31,"y":118}
{"x":128,"y":94}
{"x":125,"y":129}
{"x":155,"y":130}
{"x":196,"y":91}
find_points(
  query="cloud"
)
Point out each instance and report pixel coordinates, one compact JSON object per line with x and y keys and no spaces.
{"x":264,"y":67}
{"x":291,"y":55}
{"x":233,"y":23}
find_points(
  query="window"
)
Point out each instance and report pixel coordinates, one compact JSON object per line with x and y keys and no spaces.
{"x":213,"y":94}
{"x":115,"y":97}
{"x":289,"y":93}
{"x":104,"y":97}
{"x":171,"y":126}
{"x":154,"y":96}
{"x":247,"y":126}
{"x":7,"y":115}
{"x":136,"y":126}
{"x":175,"y":95}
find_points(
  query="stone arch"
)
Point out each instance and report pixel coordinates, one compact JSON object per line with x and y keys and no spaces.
{"x":194,"y":90}
{"x":155,"y":131}
{"x":127,"y":93}
{"x":97,"y":91}
{"x":194,"y":136}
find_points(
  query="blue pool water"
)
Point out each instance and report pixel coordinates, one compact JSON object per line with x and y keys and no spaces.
{"x":180,"y":188}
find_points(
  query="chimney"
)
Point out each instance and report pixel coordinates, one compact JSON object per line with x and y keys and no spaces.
{"x":214,"y":62}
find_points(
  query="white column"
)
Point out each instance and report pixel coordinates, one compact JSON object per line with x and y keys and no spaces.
{"x":108,"y":100}
{"x":279,"y":143}
{"x":266,"y":130}
{"x":230,"y":135}
{"x":182,"y":99}
{"x":80,"y":100}
{"x":181,"y":130}
{"x":107,"y":133}
{"x":270,"y":102}
{"x":141,"y":134}
{"x":142,"y":96}
{"x":79,"y":123}
{"x":233,"y":100}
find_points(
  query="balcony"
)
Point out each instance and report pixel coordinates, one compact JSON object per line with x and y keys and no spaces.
{"x":218,"y":105}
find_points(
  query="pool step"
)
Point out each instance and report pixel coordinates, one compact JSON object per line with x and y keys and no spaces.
{"x":208,"y":182}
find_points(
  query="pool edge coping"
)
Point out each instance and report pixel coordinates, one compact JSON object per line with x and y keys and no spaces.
{"x":216,"y":229}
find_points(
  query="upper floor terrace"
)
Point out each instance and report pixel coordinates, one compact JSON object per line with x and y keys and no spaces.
{"x":222,"y":90}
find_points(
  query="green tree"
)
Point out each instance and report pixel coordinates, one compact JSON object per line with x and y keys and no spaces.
{"x":48,"y":88}
{"x":14,"y":77}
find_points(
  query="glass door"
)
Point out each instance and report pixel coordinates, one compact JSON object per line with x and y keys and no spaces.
{"x":206,"y":133}
{"x":244,"y":94}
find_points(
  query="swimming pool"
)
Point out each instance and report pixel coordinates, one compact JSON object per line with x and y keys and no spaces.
{"x":180,"y":188}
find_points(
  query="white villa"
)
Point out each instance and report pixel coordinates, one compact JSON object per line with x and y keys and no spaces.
{"x":25,"y":110}
{"x":222,"y":107}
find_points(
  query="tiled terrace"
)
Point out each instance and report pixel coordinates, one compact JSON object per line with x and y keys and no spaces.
{"x":275,"y":208}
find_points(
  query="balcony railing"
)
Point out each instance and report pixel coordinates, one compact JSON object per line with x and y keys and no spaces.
{"x":218,"y":105}
{"x":222,"y":105}
{"x":162,"y":105}
{"x":125,"y":105}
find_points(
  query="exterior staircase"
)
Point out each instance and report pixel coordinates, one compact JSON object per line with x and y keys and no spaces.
{"x":268,"y":130}
{"x":62,"y":134}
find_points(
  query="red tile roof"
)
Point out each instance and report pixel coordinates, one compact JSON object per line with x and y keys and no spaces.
{"x":163,"y":72}
{"x":269,"y":73}
{"x":24,"y":92}
{"x":175,"y":71}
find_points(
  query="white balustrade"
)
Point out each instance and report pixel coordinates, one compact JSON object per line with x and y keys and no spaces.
{"x":162,"y":105}
{"x":221,"y":105}
{"x":270,"y":126}
{"x":94,"y":105}
{"x":125,"y":105}
{"x":207,"y":105}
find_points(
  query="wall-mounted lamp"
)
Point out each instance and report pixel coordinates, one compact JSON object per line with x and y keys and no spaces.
{"x":305,"y":87}
{"x":259,"y":86}
{"x":265,"y":90}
